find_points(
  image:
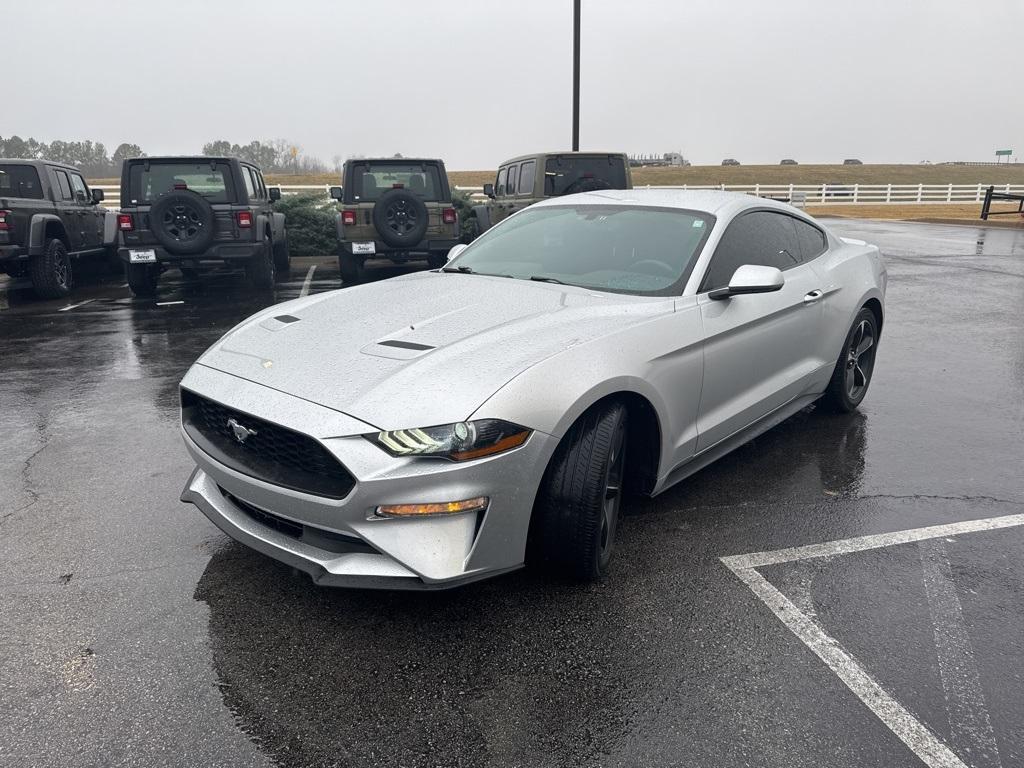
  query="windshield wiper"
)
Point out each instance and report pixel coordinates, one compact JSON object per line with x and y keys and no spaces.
{"x":543,"y":279}
{"x":463,"y":269}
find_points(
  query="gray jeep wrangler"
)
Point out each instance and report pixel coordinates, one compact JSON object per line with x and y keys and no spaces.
{"x":394,"y":208}
{"x":528,"y":179}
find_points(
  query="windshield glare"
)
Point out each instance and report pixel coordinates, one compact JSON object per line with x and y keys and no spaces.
{"x":641,"y":251}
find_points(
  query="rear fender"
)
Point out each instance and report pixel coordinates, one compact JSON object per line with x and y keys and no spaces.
{"x":37,"y":232}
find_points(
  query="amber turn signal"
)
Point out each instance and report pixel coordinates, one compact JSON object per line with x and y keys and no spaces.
{"x":477,"y":504}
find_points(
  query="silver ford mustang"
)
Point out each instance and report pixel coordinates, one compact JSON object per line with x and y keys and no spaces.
{"x":441,"y":427}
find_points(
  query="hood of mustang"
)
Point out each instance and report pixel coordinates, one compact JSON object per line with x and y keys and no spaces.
{"x":422,"y":349}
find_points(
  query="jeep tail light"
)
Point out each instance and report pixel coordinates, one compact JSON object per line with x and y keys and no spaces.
{"x":4,"y":224}
{"x":244,"y":219}
{"x":124,"y":222}
{"x":448,"y":216}
{"x":348,"y":218}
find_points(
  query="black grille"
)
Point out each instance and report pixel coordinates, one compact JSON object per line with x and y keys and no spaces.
{"x":270,"y":452}
{"x":317,"y":537}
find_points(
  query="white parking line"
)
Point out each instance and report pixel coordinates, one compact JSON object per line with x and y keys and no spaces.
{"x":308,"y":281}
{"x":168,"y":303}
{"x":72,"y":306}
{"x":969,"y":723}
{"x":917,"y":736}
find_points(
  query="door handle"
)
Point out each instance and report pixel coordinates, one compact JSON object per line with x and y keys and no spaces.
{"x":813,"y":296}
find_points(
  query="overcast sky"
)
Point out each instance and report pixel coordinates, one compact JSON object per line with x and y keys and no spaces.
{"x":477,"y":82}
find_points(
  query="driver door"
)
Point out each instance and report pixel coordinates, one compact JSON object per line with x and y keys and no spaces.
{"x":761,"y":350}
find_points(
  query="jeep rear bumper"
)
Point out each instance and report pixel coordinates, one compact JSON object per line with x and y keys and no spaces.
{"x":383,"y":250}
{"x":219,"y":252}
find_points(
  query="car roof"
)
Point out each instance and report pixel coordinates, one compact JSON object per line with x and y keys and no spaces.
{"x":187,"y":158}
{"x":711,"y":201}
{"x":36,"y":162}
{"x":535,"y":155}
{"x":396,"y":160}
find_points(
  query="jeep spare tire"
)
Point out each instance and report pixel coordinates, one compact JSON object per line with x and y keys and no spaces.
{"x":400,"y":218}
{"x":182,"y":222}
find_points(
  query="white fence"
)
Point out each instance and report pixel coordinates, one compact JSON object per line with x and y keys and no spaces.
{"x":811,"y":194}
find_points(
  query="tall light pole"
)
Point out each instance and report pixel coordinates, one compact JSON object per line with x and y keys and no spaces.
{"x":576,"y":75}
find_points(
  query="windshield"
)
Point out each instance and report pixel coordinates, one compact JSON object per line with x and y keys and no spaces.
{"x":20,"y":181}
{"x":212,"y":182}
{"x":568,"y":174}
{"x":370,"y":180}
{"x":641,"y":251}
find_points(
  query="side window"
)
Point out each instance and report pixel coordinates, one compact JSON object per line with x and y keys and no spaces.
{"x":510,"y":185}
{"x":499,"y":187}
{"x":811,"y":239}
{"x":63,"y":185}
{"x":78,"y":186}
{"x":760,"y":237}
{"x":527,"y":173}
{"x":260,"y":184}
{"x":247,"y":178}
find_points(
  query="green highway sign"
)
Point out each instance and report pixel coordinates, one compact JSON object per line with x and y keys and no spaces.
{"x":1003,"y":152}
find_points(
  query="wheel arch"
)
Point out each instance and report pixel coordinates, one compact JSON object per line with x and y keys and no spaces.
{"x":44,"y":227}
{"x":876,"y":309}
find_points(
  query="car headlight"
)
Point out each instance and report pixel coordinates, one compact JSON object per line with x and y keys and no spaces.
{"x":458,"y":442}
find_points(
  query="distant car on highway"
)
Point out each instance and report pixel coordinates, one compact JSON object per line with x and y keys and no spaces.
{"x":192,"y":212}
{"x":852,"y":161}
{"x":730,"y":161}
{"x":788,"y":161}
{"x":48,"y":219}
{"x":442,"y":427}
{"x":527,"y":179}
{"x":398,"y":209}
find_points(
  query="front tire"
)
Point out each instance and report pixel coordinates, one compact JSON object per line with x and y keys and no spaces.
{"x":260,"y":270}
{"x":142,"y":279}
{"x":855,"y":366}
{"x":577,"y":510}
{"x":50,"y":271}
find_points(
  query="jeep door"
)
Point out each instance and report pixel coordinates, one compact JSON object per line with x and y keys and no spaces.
{"x":503,"y":205}
{"x":68,"y":210}
{"x":90,"y":215}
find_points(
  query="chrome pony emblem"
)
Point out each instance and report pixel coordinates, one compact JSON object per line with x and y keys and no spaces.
{"x":241,"y":432}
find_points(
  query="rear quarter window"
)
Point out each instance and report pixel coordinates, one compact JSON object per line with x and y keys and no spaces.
{"x":812,"y":240}
{"x":20,"y":181}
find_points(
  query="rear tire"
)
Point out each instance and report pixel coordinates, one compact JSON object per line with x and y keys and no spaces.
{"x":143,"y":278}
{"x":855,"y":366}
{"x":282,"y":257}
{"x":577,"y":510}
{"x":50,"y":271}
{"x":260,"y":269}
{"x":352,"y":268}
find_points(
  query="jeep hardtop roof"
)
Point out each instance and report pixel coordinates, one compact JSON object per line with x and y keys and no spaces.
{"x":587,"y":153}
{"x":35,"y":162}
{"x":396,"y":160}
{"x":186,"y":158}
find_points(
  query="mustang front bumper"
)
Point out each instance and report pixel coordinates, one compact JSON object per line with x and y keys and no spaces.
{"x":342,"y":542}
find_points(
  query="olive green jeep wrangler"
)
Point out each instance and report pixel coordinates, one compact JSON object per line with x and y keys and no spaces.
{"x":525,"y":180}
{"x":394,"y":208}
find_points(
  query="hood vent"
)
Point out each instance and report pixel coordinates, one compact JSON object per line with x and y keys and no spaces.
{"x":405,"y":345}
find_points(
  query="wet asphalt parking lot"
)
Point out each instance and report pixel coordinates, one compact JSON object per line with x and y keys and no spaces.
{"x":133,"y":632}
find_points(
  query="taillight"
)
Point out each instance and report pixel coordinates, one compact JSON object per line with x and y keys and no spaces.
{"x":348,"y":218}
{"x":124,"y":222}
{"x":244,"y":219}
{"x":448,"y":215}
{"x":4,"y":224}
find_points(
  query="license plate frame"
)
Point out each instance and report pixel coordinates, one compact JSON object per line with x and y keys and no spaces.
{"x":364,"y":249}
{"x":147,"y":256}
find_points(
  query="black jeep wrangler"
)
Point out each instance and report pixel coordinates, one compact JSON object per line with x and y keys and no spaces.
{"x":187,"y":212}
{"x":48,"y":217}
{"x":396,"y":208}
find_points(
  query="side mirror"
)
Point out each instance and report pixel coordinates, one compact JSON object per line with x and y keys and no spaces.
{"x":456,"y":250}
{"x":750,"y":278}
{"x":97,"y":196}
{"x":336,"y":193}
{"x":489,"y":190}
{"x":275,"y":194}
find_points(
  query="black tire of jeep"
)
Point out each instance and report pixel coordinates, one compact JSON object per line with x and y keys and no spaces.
{"x":852,"y":375}
{"x":352,"y":268}
{"x":400,"y":218}
{"x":576,"y":514}
{"x":182,"y":222}
{"x":259,"y":270}
{"x":142,"y":279}
{"x":282,"y":257}
{"x":50,"y":271}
